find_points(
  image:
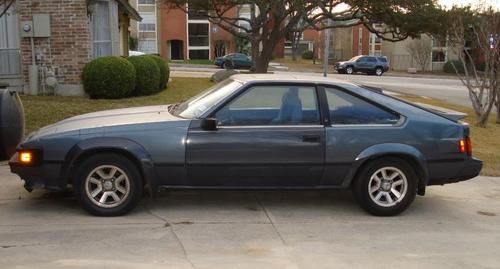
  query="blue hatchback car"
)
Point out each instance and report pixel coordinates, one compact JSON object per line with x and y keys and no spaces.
{"x":253,"y":132}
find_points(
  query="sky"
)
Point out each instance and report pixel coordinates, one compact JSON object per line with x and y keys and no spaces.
{"x":450,"y":3}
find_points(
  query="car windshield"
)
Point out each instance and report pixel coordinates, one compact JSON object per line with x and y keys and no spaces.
{"x":199,"y":104}
{"x":354,"y":58}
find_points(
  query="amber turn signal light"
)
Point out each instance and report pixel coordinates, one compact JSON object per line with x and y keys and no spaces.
{"x":465,"y":146}
{"x":26,"y":157}
{"x":461,"y":145}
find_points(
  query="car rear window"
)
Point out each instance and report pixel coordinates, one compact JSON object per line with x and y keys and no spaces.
{"x":347,"y":109}
{"x":382,"y":59}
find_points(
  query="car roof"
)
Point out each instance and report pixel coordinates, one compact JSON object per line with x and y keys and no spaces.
{"x":289,"y":78}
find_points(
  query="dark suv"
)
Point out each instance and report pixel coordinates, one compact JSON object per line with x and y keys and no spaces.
{"x":372,"y":65}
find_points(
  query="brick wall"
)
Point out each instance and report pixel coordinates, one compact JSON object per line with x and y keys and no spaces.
{"x":69,"y":47}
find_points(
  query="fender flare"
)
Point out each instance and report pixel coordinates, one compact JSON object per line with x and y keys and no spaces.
{"x":128,"y":147}
{"x":392,"y":149}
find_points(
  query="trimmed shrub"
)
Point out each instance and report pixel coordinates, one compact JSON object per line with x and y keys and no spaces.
{"x":164,"y":70}
{"x":308,"y":55}
{"x":448,"y":67}
{"x":109,"y":77}
{"x":147,"y":75}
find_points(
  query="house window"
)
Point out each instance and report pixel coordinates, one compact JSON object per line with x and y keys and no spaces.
{"x":147,"y":46}
{"x":438,"y":49}
{"x":438,"y":56}
{"x":195,"y":54}
{"x":147,"y":2}
{"x":105,"y":30}
{"x":147,"y":27}
{"x":196,"y":12}
{"x":375,"y":45}
{"x":244,"y":23}
{"x":10,"y":59}
{"x":198,"y":34}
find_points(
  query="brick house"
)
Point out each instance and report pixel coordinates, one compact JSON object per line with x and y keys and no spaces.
{"x":44,"y":45}
{"x":177,"y":35}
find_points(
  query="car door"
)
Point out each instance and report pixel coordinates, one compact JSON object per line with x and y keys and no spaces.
{"x":267,"y":136}
{"x":372,"y":63}
{"x":362,"y":64}
{"x":239,"y":60}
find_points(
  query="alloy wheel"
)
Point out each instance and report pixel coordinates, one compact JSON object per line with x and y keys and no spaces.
{"x":107,"y":186}
{"x":388,"y":186}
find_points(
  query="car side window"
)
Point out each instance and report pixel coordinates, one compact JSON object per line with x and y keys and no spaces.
{"x":372,"y":60}
{"x":271,"y":105}
{"x":349,"y":109}
{"x":382,"y":59}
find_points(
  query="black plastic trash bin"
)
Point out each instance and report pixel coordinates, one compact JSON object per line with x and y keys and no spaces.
{"x":11,"y":122}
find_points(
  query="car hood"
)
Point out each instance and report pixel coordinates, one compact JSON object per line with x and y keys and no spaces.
{"x":342,"y":63}
{"x":108,"y":118}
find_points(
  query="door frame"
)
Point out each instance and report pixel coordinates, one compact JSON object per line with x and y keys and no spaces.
{"x":319,"y":90}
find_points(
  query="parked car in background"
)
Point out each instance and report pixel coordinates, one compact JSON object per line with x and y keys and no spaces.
{"x":372,"y":65}
{"x":234,"y":60}
{"x":253,"y":132}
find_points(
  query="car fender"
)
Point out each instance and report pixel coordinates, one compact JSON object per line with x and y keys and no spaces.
{"x":105,"y":144}
{"x":391,"y":149}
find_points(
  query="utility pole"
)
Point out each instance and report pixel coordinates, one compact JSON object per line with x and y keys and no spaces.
{"x":326,"y":53}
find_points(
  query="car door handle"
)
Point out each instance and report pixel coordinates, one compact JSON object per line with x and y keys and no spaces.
{"x":311,"y":138}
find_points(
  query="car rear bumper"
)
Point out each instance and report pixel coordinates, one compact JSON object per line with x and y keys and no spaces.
{"x":455,"y":172}
{"x":43,"y":176}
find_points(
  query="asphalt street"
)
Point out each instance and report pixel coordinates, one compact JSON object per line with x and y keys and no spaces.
{"x":456,"y":226}
{"x":443,"y":88}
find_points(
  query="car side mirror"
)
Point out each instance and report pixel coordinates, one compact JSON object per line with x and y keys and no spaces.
{"x":209,"y":124}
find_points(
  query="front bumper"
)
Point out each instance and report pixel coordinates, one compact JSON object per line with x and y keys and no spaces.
{"x":445,"y":173}
{"x":46,"y":175}
{"x":338,"y":67}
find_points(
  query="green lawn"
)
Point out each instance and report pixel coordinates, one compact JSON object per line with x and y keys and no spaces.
{"x":44,"y":110}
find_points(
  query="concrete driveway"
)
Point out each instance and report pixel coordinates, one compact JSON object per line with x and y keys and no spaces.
{"x":457,"y":226}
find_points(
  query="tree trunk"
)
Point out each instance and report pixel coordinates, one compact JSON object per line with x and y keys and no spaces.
{"x":498,"y":107}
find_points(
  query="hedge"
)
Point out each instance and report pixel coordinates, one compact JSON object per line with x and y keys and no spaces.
{"x":448,"y":67}
{"x":147,"y":75}
{"x":164,"y":70}
{"x":307,"y":55}
{"x":109,"y":77}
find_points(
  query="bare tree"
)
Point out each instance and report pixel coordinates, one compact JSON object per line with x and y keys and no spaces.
{"x":471,"y":30}
{"x":220,"y":47}
{"x":5,"y":5}
{"x":420,"y":50}
{"x":295,"y":35}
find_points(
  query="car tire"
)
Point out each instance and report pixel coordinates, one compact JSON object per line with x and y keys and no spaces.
{"x":379,"y":183}
{"x":349,"y":70}
{"x":108,"y":184}
{"x":227,"y":65}
{"x":378,"y":71}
